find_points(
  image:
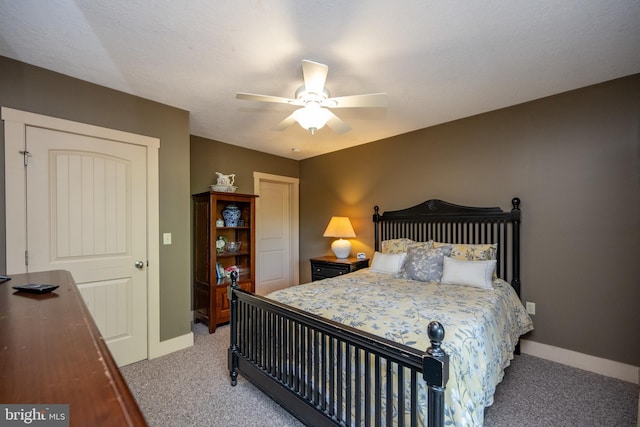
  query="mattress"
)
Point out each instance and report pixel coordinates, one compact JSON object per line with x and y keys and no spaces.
{"x":482,"y":327}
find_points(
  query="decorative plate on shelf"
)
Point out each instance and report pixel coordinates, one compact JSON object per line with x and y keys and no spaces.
{"x":224,"y":188}
{"x":220,"y":244}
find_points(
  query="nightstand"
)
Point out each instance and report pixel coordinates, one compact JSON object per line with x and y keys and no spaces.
{"x":330,"y":266}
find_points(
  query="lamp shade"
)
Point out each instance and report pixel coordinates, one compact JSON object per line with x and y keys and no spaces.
{"x":340,"y":226}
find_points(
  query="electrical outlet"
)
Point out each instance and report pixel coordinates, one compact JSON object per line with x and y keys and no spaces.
{"x":166,"y":238}
{"x":531,"y":308}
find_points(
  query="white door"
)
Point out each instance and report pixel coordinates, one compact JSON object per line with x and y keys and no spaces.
{"x":276,"y":233}
{"x":86,"y":213}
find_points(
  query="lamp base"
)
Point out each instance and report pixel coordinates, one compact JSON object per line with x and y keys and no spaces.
{"x":341,"y":248}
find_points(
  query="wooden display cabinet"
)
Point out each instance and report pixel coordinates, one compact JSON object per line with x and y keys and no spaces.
{"x":210,"y":303}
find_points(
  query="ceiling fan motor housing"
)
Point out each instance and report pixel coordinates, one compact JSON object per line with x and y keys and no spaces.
{"x":304,"y":97}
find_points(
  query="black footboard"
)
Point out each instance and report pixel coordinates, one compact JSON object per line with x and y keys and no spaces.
{"x":326,"y":373}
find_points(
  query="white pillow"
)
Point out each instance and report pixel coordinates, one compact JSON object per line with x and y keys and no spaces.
{"x":469,"y":273}
{"x":387,"y":263}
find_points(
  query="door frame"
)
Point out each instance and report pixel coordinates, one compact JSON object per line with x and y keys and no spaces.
{"x":294,"y":214}
{"x":15,"y":124}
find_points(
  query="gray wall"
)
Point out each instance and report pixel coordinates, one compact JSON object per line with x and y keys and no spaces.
{"x":573,"y":159}
{"x":33,"y":89}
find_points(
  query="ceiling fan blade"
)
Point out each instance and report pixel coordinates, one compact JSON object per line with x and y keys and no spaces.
{"x":285,"y":123}
{"x":266,"y":98}
{"x":371,"y":100}
{"x":337,"y":124}
{"x":315,"y":75}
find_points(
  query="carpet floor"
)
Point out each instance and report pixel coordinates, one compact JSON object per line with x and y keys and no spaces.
{"x":192,"y":388}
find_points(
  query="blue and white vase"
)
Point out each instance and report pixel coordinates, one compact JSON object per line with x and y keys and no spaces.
{"x":231,"y":215}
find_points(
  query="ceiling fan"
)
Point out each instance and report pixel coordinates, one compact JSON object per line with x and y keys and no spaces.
{"x":315,"y":101}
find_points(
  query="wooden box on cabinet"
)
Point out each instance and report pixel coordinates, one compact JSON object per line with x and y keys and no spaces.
{"x":210,"y":304}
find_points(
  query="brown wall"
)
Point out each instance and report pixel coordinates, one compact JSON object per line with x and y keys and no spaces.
{"x":573,"y":159}
{"x":209,"y":157}
{"x":36,"y":90}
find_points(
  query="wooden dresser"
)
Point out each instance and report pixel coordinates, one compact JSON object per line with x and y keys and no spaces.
{"x":51,"y":352}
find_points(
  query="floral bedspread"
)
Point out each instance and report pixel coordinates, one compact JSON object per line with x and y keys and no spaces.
{"x":481,"y":326}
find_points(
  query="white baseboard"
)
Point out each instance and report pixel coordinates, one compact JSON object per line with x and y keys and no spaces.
{"x":598,"y":365}
{"x":174,"y":344}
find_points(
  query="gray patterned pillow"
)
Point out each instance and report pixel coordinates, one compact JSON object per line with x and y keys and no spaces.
{"x":424,"y":264}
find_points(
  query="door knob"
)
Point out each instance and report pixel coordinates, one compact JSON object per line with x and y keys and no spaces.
{"x":139,"y":264}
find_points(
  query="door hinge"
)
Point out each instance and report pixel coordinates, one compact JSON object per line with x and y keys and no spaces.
{"x":25,"y":156}
{"x":26,"y":257}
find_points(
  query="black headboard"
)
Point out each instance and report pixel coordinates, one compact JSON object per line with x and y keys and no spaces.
{"x":445,"y":222}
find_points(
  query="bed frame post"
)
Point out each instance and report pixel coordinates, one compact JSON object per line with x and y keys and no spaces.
{"x":376,"y":227}
{"x":233,"y":346}
{"x":515,"y":215}
{"x":436,"y":373}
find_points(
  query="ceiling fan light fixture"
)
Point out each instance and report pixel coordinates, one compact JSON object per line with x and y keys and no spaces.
{"x":312,"y":117}
{"x":316,"y":102}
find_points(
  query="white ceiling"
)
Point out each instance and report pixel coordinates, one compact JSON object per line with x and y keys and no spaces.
{"x":438,"y":60}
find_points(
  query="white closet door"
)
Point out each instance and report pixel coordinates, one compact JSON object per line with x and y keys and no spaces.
{"x":86,"y":201}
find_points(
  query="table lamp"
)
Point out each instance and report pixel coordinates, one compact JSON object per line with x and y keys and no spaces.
{"x":340,"y":227}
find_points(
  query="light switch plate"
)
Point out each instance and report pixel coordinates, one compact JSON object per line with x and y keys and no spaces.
{"x":166,"y":238}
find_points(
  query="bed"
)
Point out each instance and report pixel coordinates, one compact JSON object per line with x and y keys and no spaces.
{"x":422,"y":337}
